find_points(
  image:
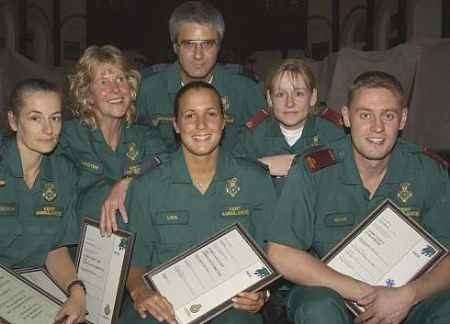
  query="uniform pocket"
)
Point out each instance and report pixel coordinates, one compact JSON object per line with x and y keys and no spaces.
{"x":173,"y":226}
{"x":10,"y":227}
{"x":336,"y":225}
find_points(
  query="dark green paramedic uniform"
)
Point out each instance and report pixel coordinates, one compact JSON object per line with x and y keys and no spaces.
{"x":37,"y":220}
{"x":169,"y":215}
{"x":241,"y":97}
{"x":324,"y":199}
{"x":99,"y":167}
{"x":262,"y":137}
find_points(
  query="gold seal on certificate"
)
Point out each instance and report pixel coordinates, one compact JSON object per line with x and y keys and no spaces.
{"x":201,"y":282}
{"x":102,"y":265}
{"x":387,"y":249}
{"x":23,"y":302}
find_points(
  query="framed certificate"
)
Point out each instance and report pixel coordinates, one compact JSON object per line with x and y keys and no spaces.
{"x":386,"y":249}
{"x":23,"y":302}
{"x":102,"y":264}
{"x":42,"y":278}
{"x":200,"y":282}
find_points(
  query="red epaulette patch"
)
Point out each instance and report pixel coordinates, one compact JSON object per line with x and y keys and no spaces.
{"x":257,"y":118}
{"x":436,"y":157}
{"x":320,"y":159}
{"x":332,"y":116}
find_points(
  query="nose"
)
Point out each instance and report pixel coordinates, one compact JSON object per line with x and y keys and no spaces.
{"x":47,"y":127}
{"x":115,"y":87}
{"x":198,"y":52}
{"x":378,"y":124}
{"x":290,"y":101}
{"x":201,"y":122}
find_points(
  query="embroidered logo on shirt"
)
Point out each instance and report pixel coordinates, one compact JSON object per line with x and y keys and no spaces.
{"x":49,"y":192}
{"x":90,"y":165}
{"x":315,"y":141}
{"x":404,"y":193}
{"x":132,"y":151}
{"x":232,"y":186}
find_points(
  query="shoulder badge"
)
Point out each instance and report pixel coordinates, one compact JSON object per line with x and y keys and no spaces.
{"x":332,"y":116}
{"x":257,"y":118}
{"x":435,"y":156}
{"x":319,"y":159}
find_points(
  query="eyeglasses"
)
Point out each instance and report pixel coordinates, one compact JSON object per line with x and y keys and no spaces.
{"x":191,"y":45}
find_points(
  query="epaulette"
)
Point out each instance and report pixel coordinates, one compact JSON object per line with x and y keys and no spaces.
{"x":332,"y":116}
{"x":435,"y":156}
{"x":318,"y":160}
{"x":257,"y":118}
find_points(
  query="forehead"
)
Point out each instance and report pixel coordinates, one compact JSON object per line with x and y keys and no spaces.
{"x":199,"y":98}
{"x":41,"y":101}
{"x":105,"y":70}
{"x":376,"y":98}
{"x":195,"y":31}
{"x":288,"y":80}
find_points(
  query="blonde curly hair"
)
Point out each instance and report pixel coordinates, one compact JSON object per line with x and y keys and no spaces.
{"x":83,"y":74}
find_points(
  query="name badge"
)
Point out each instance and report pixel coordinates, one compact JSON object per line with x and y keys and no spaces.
{"x":91,"y":166}
{"x":411,"y":212}
{"x":175,"y":217}
{"x":8,"y":209}
{"x":48,"y":211}
{"x":235,"y":211}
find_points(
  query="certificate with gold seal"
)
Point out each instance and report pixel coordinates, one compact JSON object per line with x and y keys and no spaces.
{"x":23,"y":302}
{"x":102,"y":264}
{"x":200,"y":282}
{"x":387,"y":249}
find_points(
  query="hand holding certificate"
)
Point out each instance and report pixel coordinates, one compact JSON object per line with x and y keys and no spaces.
{"x":386,"y":249}
{"x":201,"y":282}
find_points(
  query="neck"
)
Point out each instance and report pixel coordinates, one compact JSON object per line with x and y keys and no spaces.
{"x":31,"y":163}
{"x":111,"y":129}
{"x":201,"y":168}
{"x":186,"y":79}
{"x":371,"y":172}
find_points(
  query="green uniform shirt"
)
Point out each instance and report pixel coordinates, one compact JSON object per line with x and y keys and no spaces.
{"x":170,"y":215}
{"x":266,"y":138}
{"x":241,"y":96}
{"x":37,"y":220}
{"x":317,"y":209}
{"x":98,"y":166}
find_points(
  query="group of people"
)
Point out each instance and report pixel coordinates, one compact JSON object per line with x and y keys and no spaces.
{"x":195,"y":148}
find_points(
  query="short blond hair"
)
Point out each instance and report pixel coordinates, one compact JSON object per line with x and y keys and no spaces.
{"x":82,"y":77}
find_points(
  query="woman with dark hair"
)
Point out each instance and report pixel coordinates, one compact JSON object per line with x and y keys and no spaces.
{"x":37,"y":193}
{"x":103,"y":141}
{"x":199,"y":192}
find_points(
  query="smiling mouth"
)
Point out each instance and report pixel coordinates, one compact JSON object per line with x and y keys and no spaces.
{"x":377,"y":141}
{"x":116,"y":100}
{"x":201,"y":137}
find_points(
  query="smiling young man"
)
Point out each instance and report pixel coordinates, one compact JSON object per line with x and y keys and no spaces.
{"x":331,"y":190}
{"x":196,"y":32}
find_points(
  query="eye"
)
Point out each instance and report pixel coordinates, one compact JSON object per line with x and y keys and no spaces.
{"x":364,"y":115}
{"x":279,"y":94}
{"x":35,"y":118}
{"x":299,"y":93}
{"x":389,"y":116}
{"x":213,"y":113}
{"x":188,"y":115}
{"x":56,"y":118}
{"x":208,"y":44}
{"x":121,"y":79}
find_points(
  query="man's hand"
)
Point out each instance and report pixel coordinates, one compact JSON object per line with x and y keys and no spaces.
{"x":386,"y":305}
{"x":250,"y":302}
{"x":74,"y":309}
{"x":147,"y":301}
{"x":114,"y":203}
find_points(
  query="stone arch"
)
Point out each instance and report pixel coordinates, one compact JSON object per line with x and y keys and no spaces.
{"x":354,"y":28}
{"x":9,"y":27}
{"x":319,"y":31}
{"x":384,"y":12}
{"x":39,"y":29}
{"x":73,"y":29}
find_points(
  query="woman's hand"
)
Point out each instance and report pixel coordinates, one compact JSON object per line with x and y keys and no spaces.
{"x":250,"y":302}
{"x":113,"y":203}
{"x":149,"y":301}
{"x":74,"y":309}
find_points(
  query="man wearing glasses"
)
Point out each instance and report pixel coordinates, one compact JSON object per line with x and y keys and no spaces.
{"x":196,"y":31}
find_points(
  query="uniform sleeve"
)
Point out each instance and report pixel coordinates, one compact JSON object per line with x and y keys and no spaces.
{"x":63,"y":147}
{"x":266,"y":195}
{"x":138,"y":207}
{"x":143,"y":101}
{"x":436,"y":218}
{"x":254,"y":98}
{"x":246,"y":145}
{"x":154,"y":144}
{"x":293,"y":223}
